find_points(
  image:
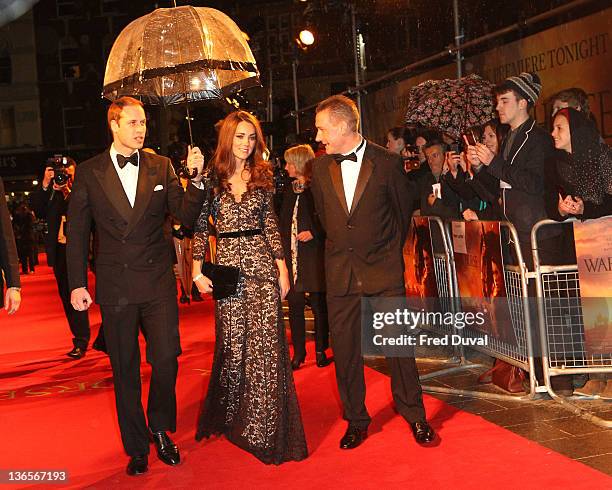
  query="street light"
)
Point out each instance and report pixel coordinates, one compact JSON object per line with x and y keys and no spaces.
{"x":304,"y":40}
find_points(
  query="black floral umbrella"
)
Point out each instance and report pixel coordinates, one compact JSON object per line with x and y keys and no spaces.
{"x":451,"y":105}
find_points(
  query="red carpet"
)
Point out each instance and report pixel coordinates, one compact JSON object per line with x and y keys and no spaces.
{"x":59,"y":414}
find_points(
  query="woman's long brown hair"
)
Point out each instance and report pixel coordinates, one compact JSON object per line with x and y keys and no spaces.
{"x":224,"y":161}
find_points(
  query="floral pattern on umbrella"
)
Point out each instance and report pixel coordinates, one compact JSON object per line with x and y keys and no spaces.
{"x":451,"y":105}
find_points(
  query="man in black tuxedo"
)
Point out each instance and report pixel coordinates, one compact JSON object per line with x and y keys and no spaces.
{"x":364,"y":203}
{"x":50,"y":202}
{"x":127,"y":193}
{"x":9,"y":264}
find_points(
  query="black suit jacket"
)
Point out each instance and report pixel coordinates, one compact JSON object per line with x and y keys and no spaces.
{"x":311,"y":271}
{"x":9,"y":263}
{"x":51,"y":206}
{"x":523,"y":205}
{"x":445,"y":208}
{"x":133,"y":261}
{"x":366,"y":240}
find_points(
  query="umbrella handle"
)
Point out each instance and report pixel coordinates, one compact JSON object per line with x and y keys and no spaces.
{"x":189,"y":123}
{"x":184,"y":171}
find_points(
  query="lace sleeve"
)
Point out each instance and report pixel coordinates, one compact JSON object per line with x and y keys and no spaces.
{"x":200,"y":235}
{"x":270,"y":227}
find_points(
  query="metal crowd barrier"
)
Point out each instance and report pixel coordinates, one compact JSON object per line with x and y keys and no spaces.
{"x":444,"y":269}
{"x":521,"y":355}
{"x":561,"y":326}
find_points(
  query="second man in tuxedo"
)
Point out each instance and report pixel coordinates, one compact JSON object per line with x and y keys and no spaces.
{"x":127,"y":193}
{"x":364,"y":203}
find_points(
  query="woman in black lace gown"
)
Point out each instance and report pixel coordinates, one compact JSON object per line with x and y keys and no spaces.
{"x":251,"y":396}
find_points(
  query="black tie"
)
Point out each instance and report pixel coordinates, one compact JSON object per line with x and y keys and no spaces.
{"x":340,"y":158}
{"x":351,"y":156}
{"x":123,"y":161}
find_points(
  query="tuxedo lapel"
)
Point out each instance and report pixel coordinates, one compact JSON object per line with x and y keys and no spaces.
{"x":112,"y":187}
{"x":147,"y":173}
{"x":367,"y":166}
{"x":335,"y":174}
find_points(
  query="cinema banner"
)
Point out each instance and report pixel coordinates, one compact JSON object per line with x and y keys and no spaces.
{"x":480,"y":276}
{"x":594,"y":254}
{"x":419,"y":271}
{"x":575,"y":54}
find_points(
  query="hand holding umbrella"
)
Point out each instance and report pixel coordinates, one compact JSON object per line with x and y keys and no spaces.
{"x":195,"y":163}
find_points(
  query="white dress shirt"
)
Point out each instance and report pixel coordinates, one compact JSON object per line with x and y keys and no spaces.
{"x":128,"y":175}
{"x":350,"y":172}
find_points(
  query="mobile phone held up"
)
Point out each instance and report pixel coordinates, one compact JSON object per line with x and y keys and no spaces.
{"x":470,"y":138}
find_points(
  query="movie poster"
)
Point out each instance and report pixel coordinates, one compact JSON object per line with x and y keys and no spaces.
{"x":594,"y":254}
{"x":419,"y":271}
{"x":480,"y":276}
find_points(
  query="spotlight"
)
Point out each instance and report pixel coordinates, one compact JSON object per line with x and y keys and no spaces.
{"x":306,"y":38}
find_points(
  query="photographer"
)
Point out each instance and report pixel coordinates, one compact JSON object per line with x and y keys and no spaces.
{"x":50,"y":202}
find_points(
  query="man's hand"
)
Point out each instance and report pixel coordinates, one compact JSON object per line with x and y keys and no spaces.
{"x":431,"y":199}
{"x":195,"y":160}
{"x":470,"y":215}
{"x":304,"y":236}
{"x":570,"y":205}
{"x":483,"y":153}
{"x":406,"y":153}
{"x":61,"y":188}
{"x":451,"y":160}
{"x":80,"y":299}
{"x":12,"y":300}
{"x":579,"y":209}
{"x":463,"y":162}
{"x":48,"y":177}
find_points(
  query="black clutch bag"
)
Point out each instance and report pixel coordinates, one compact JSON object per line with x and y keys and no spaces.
{"x":223,"y":277}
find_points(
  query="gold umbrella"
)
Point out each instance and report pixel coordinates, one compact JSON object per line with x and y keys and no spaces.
{"x":180,"y":54}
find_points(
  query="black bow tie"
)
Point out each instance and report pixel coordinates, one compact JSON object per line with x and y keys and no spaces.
{"x":340,"y":158}
{"x":123,"y":161}
{"x":351,"y":156}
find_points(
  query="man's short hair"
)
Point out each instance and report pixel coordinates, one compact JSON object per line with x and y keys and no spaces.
{"x":341,"y":107}
{"x":502,"y":89}
{"x":114,"y":111}
{"x":404,"y":133}
{"x":574,"y":97}
{"x":435,"y":142}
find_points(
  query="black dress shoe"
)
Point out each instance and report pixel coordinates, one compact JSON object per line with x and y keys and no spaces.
{"x":423,"y":433}
{"x":323,"y":360}
{"x":353,"y":437}
{"x":138,"y":465}
{"x":76,"y":353}
{"x":166,"y":449}
{"x":296,"y":362}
